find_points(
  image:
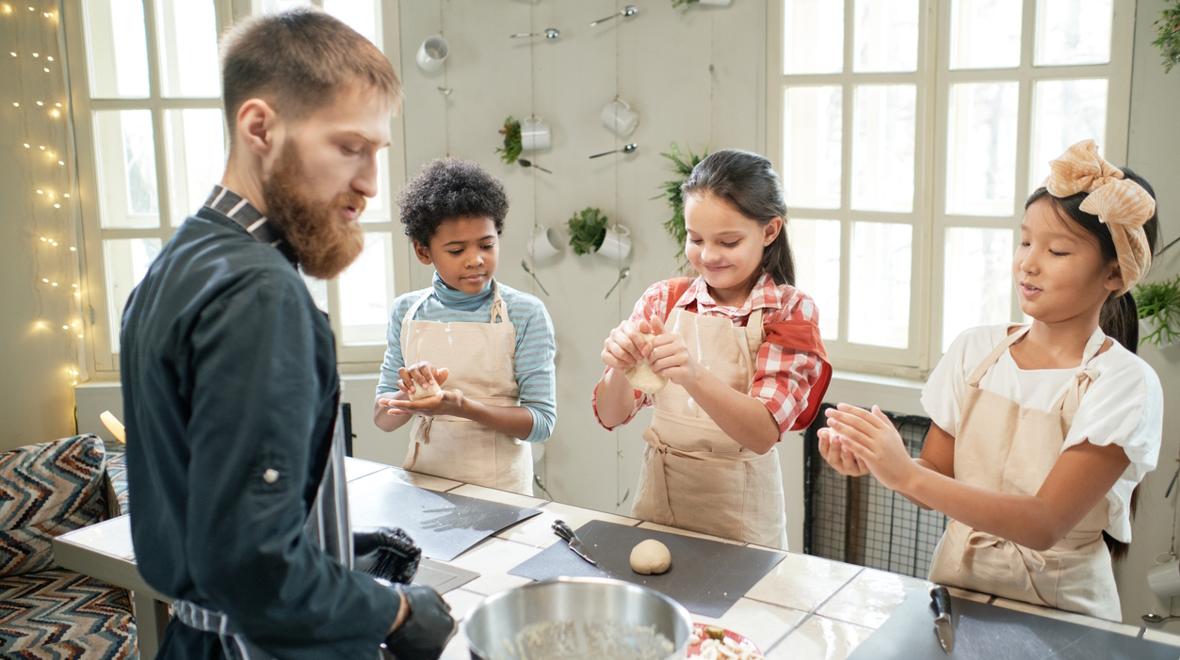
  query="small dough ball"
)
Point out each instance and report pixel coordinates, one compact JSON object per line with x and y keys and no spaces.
{"x":650,"y":557}
{"x":642,"y":377}
{"x":420,"y":393}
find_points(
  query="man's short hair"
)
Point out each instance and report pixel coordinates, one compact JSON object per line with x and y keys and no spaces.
{"x":297,"y":61}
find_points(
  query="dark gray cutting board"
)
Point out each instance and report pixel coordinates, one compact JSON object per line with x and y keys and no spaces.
{"x":441,"y":577}
{"x":988,"y":632}
{"x":706,"y":577}
{"x":444,"y":525}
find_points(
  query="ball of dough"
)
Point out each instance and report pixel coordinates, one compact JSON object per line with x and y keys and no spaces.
{"x":642,"y":377}
{"x":650,"y":557}
{"x":420,"y":393}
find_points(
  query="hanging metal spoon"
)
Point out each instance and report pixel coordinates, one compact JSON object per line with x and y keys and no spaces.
{"x":524,"y":162}
{"x":1153,"y":618}
{"x":627,"y":148}
{"x":524,"y":263}
{"x":627,"y":12}
{"x":623,"y":274}
{"x":552,"y":34}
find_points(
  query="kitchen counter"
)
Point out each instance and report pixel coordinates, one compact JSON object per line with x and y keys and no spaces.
{"x":806,"y":607}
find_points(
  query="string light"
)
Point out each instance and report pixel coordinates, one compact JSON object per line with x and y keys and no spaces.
{"x":6,"y":9}
{"x":55,"y":113}
{"x":40,"y":104}
{"x":16,"y":104}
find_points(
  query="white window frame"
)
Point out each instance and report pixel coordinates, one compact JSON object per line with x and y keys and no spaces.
{"x":930,"y":221}
{"x":353,"y":358}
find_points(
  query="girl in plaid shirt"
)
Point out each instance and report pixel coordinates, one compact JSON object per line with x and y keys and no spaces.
{"x":731,"y":360}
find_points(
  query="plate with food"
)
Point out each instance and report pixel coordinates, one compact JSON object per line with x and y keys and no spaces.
{"x":716,"y":643}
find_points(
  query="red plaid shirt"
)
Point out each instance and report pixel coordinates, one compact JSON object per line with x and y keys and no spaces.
{"x":784,"y":378}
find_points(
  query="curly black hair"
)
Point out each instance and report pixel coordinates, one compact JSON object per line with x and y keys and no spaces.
{"x":450,"y":188}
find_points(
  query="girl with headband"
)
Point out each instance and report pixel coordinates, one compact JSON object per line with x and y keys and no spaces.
{"x":1039,"y":433}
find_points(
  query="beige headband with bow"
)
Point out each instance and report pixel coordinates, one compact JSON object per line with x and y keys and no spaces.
{"x":1121,"y":204}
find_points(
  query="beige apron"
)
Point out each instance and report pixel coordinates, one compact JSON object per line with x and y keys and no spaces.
{"x":480,"y":359}
{"x":694,"y":476}
{"x":1002,"y":446}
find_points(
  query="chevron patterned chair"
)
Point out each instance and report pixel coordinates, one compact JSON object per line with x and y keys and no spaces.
{"x":46,"y":611}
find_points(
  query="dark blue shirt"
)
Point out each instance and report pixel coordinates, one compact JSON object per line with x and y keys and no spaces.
{"x":229,"y":392}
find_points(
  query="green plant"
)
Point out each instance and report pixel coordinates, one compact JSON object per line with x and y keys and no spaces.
{"x":1167,"y":29}
{"x":512,"y":145}
{"x":587,"y":230}
{"x":1159,"y":306}
{"x":682,"y":165}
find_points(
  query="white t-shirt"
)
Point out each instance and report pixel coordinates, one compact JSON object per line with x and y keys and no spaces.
{"x":1123,"y":405}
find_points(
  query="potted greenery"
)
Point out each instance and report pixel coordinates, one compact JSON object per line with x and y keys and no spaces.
{"x":1159,"y":311}
{"x":587,"y":230}
{"x":1168,"y":35}
{"x":682,"y":165}
{"x":512,"y":143}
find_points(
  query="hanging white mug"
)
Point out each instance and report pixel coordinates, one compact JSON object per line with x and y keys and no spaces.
{"x":534,"y":135}
{"x":616,"y":245}
{"x":618,"y":117}
{"x":546,"y":242}
{"x":433,"y":53}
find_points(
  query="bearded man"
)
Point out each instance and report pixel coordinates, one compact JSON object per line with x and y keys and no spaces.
{"x":230,"y":386}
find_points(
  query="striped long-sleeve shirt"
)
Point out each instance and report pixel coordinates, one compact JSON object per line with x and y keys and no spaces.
{"x":535,"y":343}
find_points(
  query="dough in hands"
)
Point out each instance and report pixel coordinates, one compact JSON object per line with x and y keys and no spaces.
{"x":420,"y":393}
{"x":642,"y":377}
{"x":650,"y":557}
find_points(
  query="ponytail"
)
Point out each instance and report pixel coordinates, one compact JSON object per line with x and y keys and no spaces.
{"x":776,"y":259}
{"x":1119,"y":319}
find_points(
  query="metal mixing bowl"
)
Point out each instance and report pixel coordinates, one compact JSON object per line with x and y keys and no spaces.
{"x":499,"y":618}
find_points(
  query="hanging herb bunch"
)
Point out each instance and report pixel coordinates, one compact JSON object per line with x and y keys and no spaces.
{"x":1159,"y":309}
{"x":587,"y":230}
{"x":512,"y":148}
{"x":1168,"y":35}
{"x":682,"y":165}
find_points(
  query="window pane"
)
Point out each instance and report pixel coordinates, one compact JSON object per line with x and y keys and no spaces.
{"x":883,"y":148}
{"x":813,"y":36}
{"x":879,"y":286}
{"x":812,"y":133}
{"x":187,"y":35}
{"x":886,"y":35}
{"x":117,"y":48}
{"x":126,"y":157}
{"x":127,"y":261}
{"x":195,"y":144}
{"x":815,"y":245}
{"x":977,"y":282}
{"x":366,"y":292}
{"x":377,"y":209}
{"x":364,"y":16}
{"x":985,"y":34}
{"x":1064,"y":112}
{"x":981,"y":149}
{"x":1073,"y":32}
{"x":318,"y":290}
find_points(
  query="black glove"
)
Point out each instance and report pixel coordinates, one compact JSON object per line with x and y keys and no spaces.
{"x":427,"y":628}
{"x":386,"y":552}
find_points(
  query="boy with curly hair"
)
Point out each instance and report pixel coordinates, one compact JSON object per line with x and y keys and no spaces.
{"x":469,"y":359}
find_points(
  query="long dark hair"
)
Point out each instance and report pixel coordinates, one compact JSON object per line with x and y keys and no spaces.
{"x":1119,"y":317}
{"x":748,"y":182}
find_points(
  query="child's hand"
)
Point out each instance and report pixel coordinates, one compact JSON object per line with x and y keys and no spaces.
{"x":839,"y":456}
{"x":446,"y":402}
{"x":670,"y":357}
{"x":875,"y":442}
{"x":625,"y":346}
{"x":420,"y":376}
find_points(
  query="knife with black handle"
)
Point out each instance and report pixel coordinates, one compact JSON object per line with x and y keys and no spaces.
{"x":944,"y":628}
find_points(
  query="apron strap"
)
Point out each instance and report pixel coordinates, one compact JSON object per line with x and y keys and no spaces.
{"x":1071,"y":398}
{"x":754,"y":334}
{"x":982,"y":367}
{"x":410,"y":317}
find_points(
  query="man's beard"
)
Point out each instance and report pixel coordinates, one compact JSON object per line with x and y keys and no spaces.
{"x":323,"y":242}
